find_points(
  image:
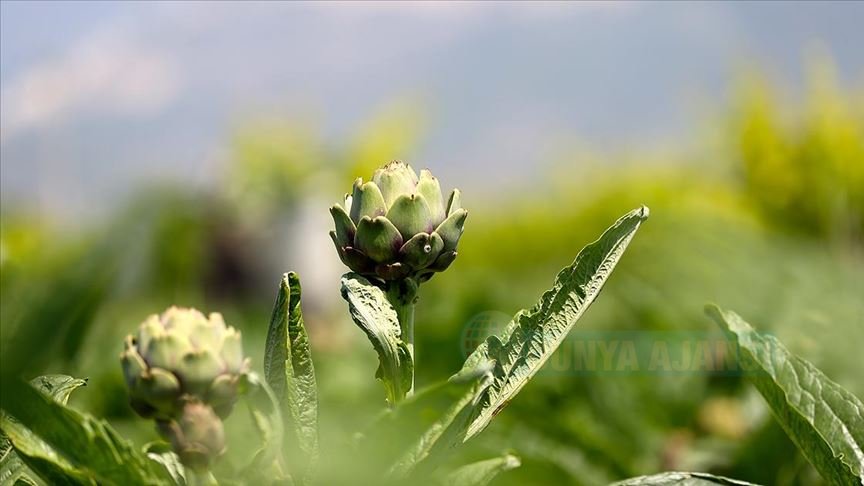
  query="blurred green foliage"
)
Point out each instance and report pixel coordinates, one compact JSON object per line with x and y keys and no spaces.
{"x":770,"y":224}
{"x":808,"y":173}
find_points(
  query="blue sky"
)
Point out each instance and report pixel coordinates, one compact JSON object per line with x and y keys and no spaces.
{"x":100,"y":97}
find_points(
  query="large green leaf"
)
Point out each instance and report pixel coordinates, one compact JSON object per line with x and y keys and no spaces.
{"x":78,"y":440}
{"x":26,"y":458}
{"x":681,"y":479}
{"x":532,"y":336}
{"x":289,"y":371}
{"x":501,"y":366}
{"x":374,"y":314}
{"x":823,"y":419}
{"x":482,"y":472}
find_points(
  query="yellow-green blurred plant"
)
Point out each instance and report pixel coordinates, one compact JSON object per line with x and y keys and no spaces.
{"x":806,"y":170}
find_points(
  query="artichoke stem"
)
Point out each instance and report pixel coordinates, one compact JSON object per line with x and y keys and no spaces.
{"x":402,"y":295}
{"x":202,"y":478}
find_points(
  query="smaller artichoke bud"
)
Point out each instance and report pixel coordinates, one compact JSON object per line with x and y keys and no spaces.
{"x":398,"y":225}
{"x":179,"y":357}
{"x":197,"y":435}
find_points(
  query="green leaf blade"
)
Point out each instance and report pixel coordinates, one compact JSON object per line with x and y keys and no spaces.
{"x":823,"y":419}
{"x":76,"y":441}
{"x":492,"y":363}
{"x":58,"y":387}
{"x":376,"y":317}
{"x":289,"y":370}
{"x":682,"y":479}
{"x":24,"y":457}
{"x":482,"y":472}
{"x":532,"y":336}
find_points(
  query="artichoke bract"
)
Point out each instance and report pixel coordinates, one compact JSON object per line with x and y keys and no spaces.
{"x":180,"y":357}
{"x":398,"y":225}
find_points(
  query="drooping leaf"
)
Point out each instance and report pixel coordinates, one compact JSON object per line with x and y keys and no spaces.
{"x":822,"y":418}
{"x":289,"y":371}
{"x":78,"y":440}
{"x":482,"y":472}
{"x":681,"y":479}
{"x":374,"y":314}
{"x":24,"y":457}
{"x":532,"y":336}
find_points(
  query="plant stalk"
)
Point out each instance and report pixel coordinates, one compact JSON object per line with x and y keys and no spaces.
{"x":403,"y":296}
{"x":406,"y":322}
{"x":201,"y":478}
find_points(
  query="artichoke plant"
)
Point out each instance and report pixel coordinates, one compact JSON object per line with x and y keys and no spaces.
{"x":180,"y":356}
{"x":398,"y":225}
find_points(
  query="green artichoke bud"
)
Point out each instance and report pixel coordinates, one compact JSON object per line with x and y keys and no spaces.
{"x":183,"y":356}
{"x":197,"y":435}
{"x":398,"y":225}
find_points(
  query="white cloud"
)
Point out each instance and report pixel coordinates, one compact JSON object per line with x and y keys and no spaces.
{"x":104,"y":74}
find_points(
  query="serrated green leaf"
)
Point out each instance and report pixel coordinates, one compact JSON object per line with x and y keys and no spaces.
{"x":50,"y":472}
{"x":83,"y":442}
{"x":823,"y":419}
{"x":24,"y":457}
{"x":532,"y":336}
{"x":575,"y":288}
{"x":374,"y":314}
{"x":289,"y":370}
{"x":482,"y":472}
{"x":32,"y":461}
{"x":681,"y":479}
{"x":58,"y":387}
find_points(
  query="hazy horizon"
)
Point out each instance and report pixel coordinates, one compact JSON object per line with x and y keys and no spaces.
{"x":99,"y":98}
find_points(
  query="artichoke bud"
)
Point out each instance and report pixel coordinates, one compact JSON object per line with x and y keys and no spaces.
{"x":180,"y":357}
{"x":398,"y":225}
{"x":196,"y":435}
